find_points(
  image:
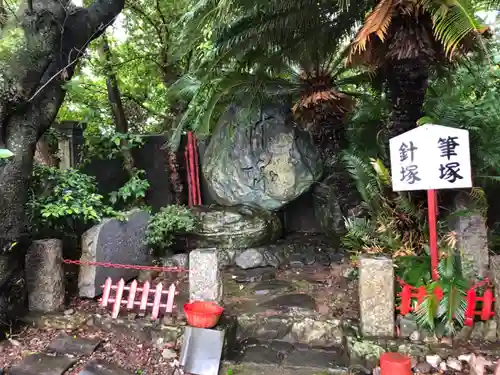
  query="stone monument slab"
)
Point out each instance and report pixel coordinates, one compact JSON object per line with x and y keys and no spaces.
{"x":113,"y":241}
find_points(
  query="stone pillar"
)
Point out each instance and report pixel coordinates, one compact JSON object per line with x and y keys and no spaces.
{"x":45,"y":275}
{"x":472,"y":239}
{"x":495,"y":278}
{"x":376,"y":296}
{"x":205,"y":279}
{"x":70,"y":143}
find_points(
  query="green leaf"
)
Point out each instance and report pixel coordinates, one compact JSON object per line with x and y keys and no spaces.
{"x":5,"y":153}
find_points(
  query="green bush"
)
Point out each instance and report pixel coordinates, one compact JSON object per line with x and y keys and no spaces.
{"x":60,"y":201}
{"x":164,"y":225}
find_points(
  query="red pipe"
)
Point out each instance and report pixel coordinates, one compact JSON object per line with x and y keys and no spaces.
{"x":186,"y":158}
{"x":191,"y":166}
{"x":432,"y":209}
{"x":197,"y":172}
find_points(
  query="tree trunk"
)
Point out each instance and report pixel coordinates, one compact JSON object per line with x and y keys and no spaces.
{"x":335,"y":195}
{"x":115,"y":101}
{"x":31,"y":92}
{"x":407,"y":82}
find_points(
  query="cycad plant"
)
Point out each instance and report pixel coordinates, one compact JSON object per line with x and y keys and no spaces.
{"x":405,"y":39}
{"x":447,"y":314}
{"x":392,"y":222}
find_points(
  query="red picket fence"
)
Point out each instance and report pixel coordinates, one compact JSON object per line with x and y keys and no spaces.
{"x":138,"y":296}
{"x":481,"y":306}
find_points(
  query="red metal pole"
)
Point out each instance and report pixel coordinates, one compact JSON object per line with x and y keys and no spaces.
{"x":197,"y":172}
{"x":186,"y":157}
{"x":191,"y":166}
{"x":432,"y":208}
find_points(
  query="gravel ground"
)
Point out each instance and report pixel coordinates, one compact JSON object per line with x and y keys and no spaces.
{"x":124,"y":351}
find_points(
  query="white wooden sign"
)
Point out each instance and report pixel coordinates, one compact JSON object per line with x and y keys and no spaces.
{"x":430,"y":157}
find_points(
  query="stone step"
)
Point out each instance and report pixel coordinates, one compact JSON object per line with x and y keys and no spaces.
{"x":43,"y":364}
{"x":73,"y":345}
{"x":296,"y":329}
{"x":253,"y":369}
{"x":291,"y":358}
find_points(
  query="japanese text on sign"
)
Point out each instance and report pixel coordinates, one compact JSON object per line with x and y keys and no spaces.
{"x":430,"y":157}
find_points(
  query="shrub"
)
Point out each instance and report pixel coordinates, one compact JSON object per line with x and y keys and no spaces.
{"x":60,"y":201}
{"x":164,"y":225}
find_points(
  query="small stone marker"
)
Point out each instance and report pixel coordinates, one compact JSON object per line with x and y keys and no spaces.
{"x":102,"y":368}
{"x":42,"y":364}
{"x":472,"y":240}
{"x":113,"y":241}
{"x":376,"y":296}
{"x":205,"y":280}
{"x":71,"y":345}
{"x":495,"y":278}
{"x":45,"y":276}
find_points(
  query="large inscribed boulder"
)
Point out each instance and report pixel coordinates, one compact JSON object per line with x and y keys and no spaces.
{"x":259,"y":159}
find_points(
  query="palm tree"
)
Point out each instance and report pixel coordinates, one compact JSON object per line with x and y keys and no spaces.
{"x":404,"y":39}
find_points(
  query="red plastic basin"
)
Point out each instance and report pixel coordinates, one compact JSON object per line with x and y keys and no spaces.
{"x":202,"y":314}
{"x":395,"y":363}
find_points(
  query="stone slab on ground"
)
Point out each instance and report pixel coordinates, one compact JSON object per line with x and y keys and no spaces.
{"x":333,"y":358}
{"x":287,"y":302}
{"x":45,"y":279}
{"x":102,"y":368}
{"x":261,"y":369}
{"x":261,"y":354}
{"x":113,"y":241}
{"x":43,"y":364}
{"x":73,"y":345}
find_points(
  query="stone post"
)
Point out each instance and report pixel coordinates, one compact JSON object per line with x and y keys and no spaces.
{"x":205,"y":279}
{"x":45,"y":275}
{"x":495,"y":278}
{"x":70,"y":142}
{"x":472,"y":239}
{"x":376,"y":296}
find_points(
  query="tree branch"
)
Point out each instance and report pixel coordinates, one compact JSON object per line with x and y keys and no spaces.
{"x":100,"y":14}
{"x":149,"y":20}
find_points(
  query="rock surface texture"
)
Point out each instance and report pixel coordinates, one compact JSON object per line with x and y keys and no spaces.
{"x":205,"y":280}
{"x":45,"y":276}
{"x":238,"y":227}
{"x":376,"y":296}
{"x":259,"y":159}
{"x":113,"y":241}
{"x":472,"y":240}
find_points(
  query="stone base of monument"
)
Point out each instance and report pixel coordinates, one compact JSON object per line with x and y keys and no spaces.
{"x":307,"y":307}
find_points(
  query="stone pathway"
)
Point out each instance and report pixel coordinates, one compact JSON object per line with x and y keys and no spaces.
{"x":292,"y":357}
{"x":61,"y":354}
